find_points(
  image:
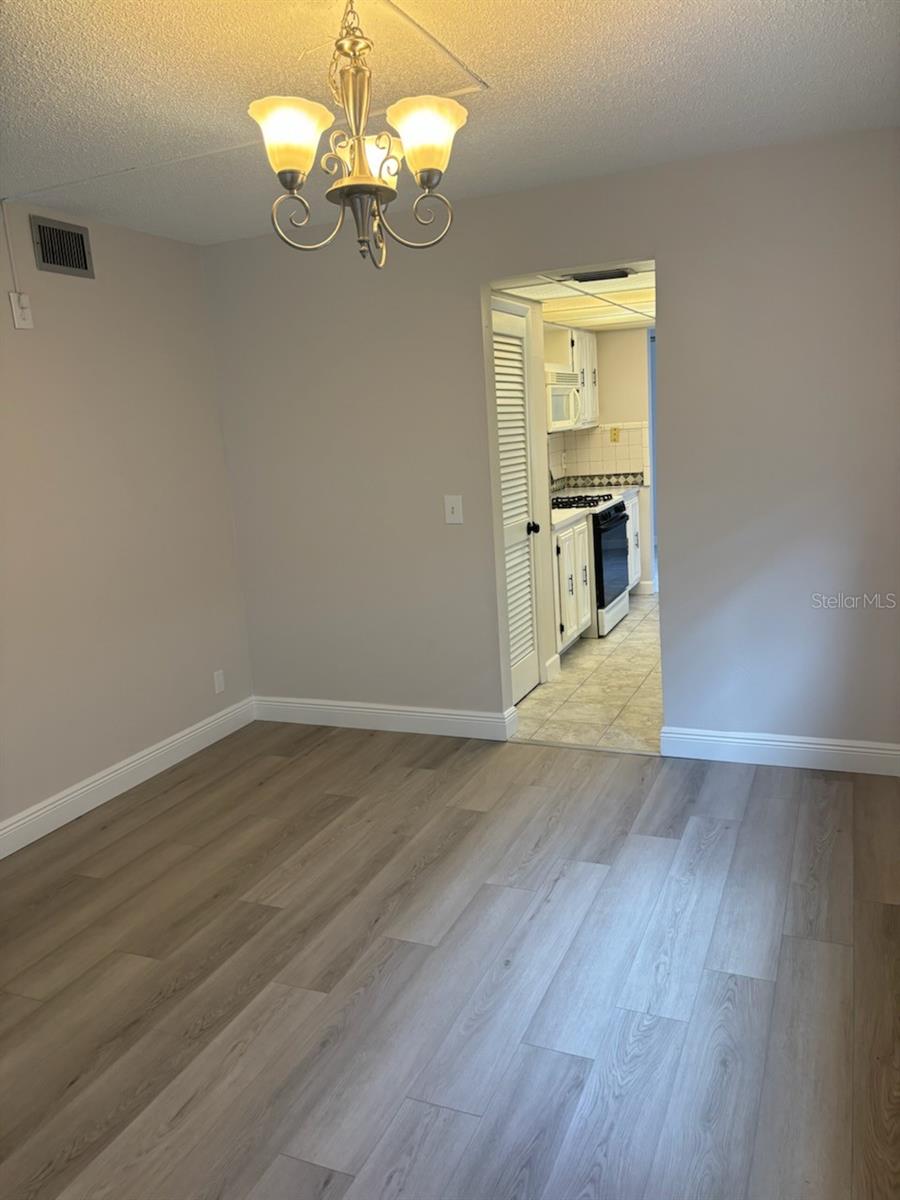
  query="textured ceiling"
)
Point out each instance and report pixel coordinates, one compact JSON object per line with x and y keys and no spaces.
{"x":576,"y":88}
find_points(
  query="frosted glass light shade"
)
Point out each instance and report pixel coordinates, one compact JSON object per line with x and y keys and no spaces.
{"x":291,"y":130}
{"x":426,"y":125}
{"x":375,"y":156}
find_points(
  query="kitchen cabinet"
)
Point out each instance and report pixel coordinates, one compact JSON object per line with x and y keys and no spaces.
{"x":584,"y":363}
{"x":632,"y":507}
{"x":573,"y":581}
{"x":582,"y":575}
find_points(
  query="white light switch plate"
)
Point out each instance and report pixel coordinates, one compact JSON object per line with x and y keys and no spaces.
{"x":453,"y":514}
{"x":20,"y":303}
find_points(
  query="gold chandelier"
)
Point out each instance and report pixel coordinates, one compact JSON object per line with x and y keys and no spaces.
{"x":367,"y":166}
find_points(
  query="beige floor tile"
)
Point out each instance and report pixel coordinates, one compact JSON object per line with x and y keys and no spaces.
{"x":571,"y":733}
{"x":643,"y":722}
{"x":650,"y":692}
{"x":607,"y":691}
{"x":618,"y":673}
{"x":545,"y":699}
{"x":618,"y":739}
{"x":638,"y":664}
{"x":646,"y":706}
{"x":577,"y":672}
{"x":593,"y":712}
{"x":643,"y":637}
{"x":528,"y":727}
{"x":590,"y":649}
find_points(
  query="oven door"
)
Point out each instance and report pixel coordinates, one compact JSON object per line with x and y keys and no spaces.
{"x":611,"y":556}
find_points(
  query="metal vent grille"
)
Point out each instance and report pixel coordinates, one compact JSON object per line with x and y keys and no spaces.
{"x":61,"y":247}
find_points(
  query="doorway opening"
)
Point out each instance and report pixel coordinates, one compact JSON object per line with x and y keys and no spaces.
{"x":572,"y":393}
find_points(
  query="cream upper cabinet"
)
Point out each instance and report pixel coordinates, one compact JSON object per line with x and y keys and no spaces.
{"x":584,"y":363}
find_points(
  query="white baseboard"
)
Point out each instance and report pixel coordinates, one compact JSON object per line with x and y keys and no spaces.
{"x":772,"y":749}
{"x":45,"y":816}
{"x":492,"y":726}
{"x":645,"y":587}
{"x":552,"y":669}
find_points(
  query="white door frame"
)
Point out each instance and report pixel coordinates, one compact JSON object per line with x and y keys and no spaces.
{"x":539,"y":477}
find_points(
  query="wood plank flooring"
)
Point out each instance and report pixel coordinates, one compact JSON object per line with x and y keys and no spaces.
{"x":315,"y":964}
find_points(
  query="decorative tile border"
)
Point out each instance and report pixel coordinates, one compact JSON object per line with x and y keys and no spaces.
{"x":615,"y":480}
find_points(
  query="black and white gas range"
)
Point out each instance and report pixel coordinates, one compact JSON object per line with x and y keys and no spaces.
{"x":586,"y":501}
{"x":610,"y":530}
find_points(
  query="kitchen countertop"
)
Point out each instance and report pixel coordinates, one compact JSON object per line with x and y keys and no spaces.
{"x":560,"y":518}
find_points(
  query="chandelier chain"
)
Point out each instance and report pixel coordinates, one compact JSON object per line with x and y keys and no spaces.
{"x":350,"y":27}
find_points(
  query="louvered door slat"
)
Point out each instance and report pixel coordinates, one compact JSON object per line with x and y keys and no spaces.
{"x":510,"y":369}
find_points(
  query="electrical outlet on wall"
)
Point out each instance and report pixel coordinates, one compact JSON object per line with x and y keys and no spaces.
{"x":219,"y":681}
{"x":615,"y":433}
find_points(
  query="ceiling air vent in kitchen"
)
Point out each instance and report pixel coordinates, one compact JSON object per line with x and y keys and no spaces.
{"x":599,"y":276}
{"x":61,"y":247}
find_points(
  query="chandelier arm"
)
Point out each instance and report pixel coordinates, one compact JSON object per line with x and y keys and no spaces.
{"x":377,"y":244}
{"x":377,"y":259}
{"x":332,"y":162}
{"x":298,"y":223}
{"x":423,"y":220}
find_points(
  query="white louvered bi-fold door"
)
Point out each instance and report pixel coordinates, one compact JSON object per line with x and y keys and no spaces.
{"x":515,"y":491}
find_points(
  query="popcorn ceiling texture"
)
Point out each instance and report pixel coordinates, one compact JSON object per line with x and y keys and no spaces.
{"x":577,"y":89}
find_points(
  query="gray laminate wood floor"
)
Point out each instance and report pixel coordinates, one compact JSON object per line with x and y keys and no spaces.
{"x":333,"y":963}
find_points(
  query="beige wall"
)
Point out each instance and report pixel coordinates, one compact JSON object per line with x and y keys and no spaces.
{"x":623,"y":375}
{"x":353,"y":400}
{"x":557,"y":344}
{"x":118,"y":588}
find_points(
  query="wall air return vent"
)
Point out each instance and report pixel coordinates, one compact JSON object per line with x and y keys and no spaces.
{"x":61,"y":247}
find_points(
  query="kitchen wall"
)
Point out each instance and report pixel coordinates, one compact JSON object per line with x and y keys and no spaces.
{"x":621,"y":442}
{"x":353,"y":400}
{"x":119,"y":594}
{"x":624,"y":396}
{"x":623,"y":375}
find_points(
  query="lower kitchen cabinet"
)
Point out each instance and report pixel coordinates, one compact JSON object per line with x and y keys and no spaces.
{"x":632,"y":507}
{"x":573,"y":570}
{"x":583,"y":575}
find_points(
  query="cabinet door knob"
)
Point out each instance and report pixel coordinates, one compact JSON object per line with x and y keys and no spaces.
{"x":532,"y":527}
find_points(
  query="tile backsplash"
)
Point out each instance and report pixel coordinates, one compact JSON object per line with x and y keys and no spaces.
{"x":599,"y":452}
{"x":556,"y":445}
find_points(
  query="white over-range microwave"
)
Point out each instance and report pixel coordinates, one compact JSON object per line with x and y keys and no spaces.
{"x":563,"y":399}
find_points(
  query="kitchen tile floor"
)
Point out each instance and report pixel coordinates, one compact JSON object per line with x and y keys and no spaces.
{"x":609,"y":694}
